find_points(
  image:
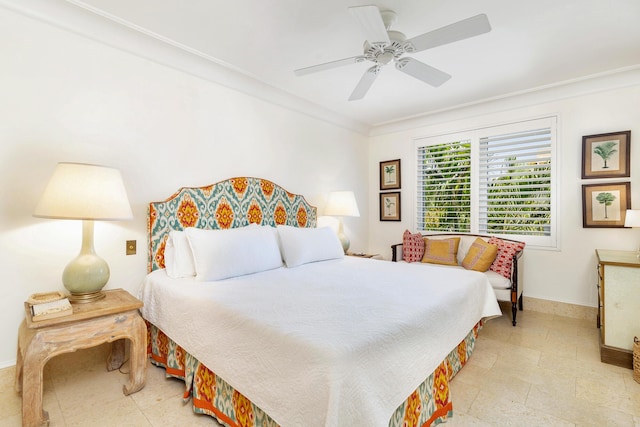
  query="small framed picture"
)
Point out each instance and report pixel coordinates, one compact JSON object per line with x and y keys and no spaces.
{"x":605,"y":205}
{"x":606,"y":155}
{"x":390,"y":206}
{"x":390,"y":175}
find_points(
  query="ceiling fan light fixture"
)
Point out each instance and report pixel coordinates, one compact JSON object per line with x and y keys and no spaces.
{"x":385,"y":57}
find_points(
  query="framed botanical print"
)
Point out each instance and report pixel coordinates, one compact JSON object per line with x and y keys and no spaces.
{"x":606,"y":155}
{"x":605,"y":205}
{"x":390,"y":206}
{"x":390,"y":175}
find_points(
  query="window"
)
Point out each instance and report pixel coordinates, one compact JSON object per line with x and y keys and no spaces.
{"x":496,"y":180}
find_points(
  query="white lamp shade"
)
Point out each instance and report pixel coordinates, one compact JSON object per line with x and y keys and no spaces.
{"x":632,"y":218}
{"x":83,"y":191}
{"x":341,"y":203}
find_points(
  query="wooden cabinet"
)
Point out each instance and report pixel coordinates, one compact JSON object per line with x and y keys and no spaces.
{"x":618,"y":305}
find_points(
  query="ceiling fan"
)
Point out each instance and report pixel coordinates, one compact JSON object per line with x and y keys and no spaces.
{"x":383,"y":45}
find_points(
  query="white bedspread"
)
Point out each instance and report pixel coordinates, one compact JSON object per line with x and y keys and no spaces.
{"x":333,"y":343}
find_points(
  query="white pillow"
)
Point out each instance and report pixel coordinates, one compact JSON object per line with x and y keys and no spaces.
{"x":220,"y":254}
{"x":303,"y":245}
{"x":178,"y":259}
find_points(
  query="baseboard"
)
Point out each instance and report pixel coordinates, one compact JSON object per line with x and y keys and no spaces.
{"x":616,"y":356}
{"x":7,"y":364}
{"x":561,"y":308}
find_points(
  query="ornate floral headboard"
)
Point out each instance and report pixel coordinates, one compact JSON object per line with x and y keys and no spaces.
{"x":235,"y":202}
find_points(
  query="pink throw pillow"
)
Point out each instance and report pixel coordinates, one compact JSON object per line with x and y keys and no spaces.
{"x":412,"y":246}
{"x":506,"y":251}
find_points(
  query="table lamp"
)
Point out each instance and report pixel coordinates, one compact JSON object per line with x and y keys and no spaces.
{"x":632,"y":219}
{"x":86,"y":192}
{"x":340,"y":204}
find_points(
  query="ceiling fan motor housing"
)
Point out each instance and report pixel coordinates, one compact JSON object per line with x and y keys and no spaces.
{"x":383,"y":53}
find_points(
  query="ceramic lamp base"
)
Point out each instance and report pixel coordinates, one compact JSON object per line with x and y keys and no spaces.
{"x":86,"y":275}
{"x":344,"y":240}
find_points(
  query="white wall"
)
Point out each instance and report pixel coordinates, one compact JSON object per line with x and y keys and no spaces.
{"x":567,"y":274}
{"x":68,"y":98}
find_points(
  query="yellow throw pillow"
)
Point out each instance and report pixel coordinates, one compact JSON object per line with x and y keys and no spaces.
{"x":441,"y":251}
{"x":480,"y":255}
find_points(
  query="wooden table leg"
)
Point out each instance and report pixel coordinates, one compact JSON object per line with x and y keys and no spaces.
{"x":116,"y":355}
{"x":33,"y":362}
{"x":138,"y":357}
{"x":18,"y":382}
{"x":137,"y":334}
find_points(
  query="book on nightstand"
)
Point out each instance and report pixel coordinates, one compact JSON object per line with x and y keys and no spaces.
{"x":51,"y":309}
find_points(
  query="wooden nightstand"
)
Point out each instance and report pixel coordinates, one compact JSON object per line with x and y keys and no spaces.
{"x":110,"y":319}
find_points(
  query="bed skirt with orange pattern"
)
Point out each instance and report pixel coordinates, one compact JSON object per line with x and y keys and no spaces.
{"x":430,"y":404}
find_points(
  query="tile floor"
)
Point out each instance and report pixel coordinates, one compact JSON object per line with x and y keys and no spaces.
{"x":544,"y":372}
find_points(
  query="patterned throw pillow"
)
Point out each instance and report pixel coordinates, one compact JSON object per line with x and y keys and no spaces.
{"x":412,"y":246}
{"x":506,"y":251}
{"x":441,"y":251}
{"x":480,"y":255}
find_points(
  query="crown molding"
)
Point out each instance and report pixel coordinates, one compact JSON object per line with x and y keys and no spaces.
{"x":73,"y":16}
{"x":610,"y":80}
{"x":78,"y":18}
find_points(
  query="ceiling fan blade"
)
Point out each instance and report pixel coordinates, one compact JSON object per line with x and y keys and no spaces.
{"x":371,"y":24}
{"x":421,"y":71}
{"x":329,"y":65}
{"x":365,"y":83}
{"x":460,"y":30}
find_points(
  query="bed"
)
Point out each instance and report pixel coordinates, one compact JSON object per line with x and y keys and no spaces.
{"x":333,"y":341}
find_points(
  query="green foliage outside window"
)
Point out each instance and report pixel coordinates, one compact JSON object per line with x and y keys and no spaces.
{"x":447,"y":189}
{"x":519,"y":200}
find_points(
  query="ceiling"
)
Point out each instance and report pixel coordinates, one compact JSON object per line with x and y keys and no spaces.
{"x":532,"y":44}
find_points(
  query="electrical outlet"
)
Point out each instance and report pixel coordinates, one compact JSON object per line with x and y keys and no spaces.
{"x":131,"y":247}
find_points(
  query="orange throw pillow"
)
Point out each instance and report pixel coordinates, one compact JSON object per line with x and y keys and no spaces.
{"x":441,"y":251}
{"x":480,"y":256}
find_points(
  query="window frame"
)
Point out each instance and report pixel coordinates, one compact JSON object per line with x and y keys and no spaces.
{"x":474,"y":136}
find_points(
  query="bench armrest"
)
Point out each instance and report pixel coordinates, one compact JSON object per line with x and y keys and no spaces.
{"x":396,"y":252}
{"x":516,"y":273}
